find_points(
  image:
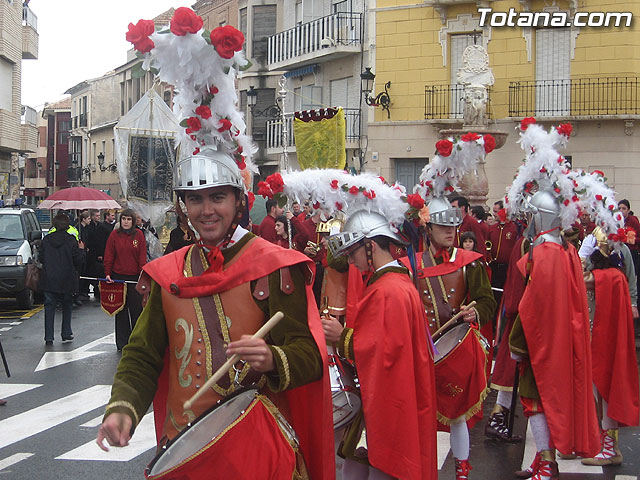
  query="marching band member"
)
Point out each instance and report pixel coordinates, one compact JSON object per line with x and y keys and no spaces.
{"x":205,"y":300}
{"x":615,"y":370}
{"x":448,"y":277}
{"x":550,"y":336}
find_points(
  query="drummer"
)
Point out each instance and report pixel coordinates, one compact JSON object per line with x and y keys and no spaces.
{"x":394,"y":436}
{"x":448,"y":278}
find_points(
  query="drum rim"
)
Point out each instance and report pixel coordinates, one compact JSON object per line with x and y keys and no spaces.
{"x":469,"y":330}
{"x":219,"y":403}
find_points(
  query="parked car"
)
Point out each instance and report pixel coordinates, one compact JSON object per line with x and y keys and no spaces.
{"x":20,"y":237}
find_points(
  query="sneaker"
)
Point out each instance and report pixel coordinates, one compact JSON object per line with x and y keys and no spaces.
{"x":67,"y":339}
{"x":48,"y":342}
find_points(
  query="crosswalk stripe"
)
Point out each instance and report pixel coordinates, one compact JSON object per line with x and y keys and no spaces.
{"x":11,"y":389}
{"x":39,"y":419}
{"x":143,"y":440}
{"x":626,"y":477}
{"x":13,"y":459}
{"x":444,"y":445}
{"x":54,"y":359}
{"x":564,"y":466}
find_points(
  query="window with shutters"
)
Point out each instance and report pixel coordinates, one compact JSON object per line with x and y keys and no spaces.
{"x":243,"y":21}
{"x":408,"y":171}
{"x":264,"y":25}
{"x":459,"y":43}
{"x":308,"y":98}
{"x":553,"y":79}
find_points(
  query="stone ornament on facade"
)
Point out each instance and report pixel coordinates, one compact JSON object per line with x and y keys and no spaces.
{"x":475,"y":75}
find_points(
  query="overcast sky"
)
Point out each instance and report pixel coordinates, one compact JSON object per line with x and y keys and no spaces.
{"x":80,"y":40}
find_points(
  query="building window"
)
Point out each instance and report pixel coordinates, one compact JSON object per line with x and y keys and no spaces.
{"x":264,"y":25}
{"x":307,"y":98}
{"x":6,"y":85}
{"x":553,"y":77}
{"x":243,"y":21}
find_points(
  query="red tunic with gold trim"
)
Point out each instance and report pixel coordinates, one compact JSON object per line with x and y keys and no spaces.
{"x":553,"y":314}
{"x":444,"y":285}
{"x":200,"y":311}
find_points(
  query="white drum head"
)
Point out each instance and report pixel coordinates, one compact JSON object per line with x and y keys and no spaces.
{"x":202,"y":431}
{"x":448,"y":341}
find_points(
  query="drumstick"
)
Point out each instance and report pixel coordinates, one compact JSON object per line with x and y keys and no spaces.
{"x":462,"y":311}
{"x":233,"y":359}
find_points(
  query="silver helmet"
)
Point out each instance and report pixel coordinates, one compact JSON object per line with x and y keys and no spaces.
{"x":360,"y":225}
{"x":543,"y":215}
{"x":208,"y":168}
{"x":442,"y":213}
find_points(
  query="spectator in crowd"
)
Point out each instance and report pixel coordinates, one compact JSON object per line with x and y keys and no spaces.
{"x":181,"y":236}
{"x":267,"y":227}
{"x":284,"y":230}
{"x":96,"y":241}
{"x":468,"y":240}
{"x":296,"y":209}
{"x":124,"y":257}
{"x":469,"y":223}
{"x":83,"y":229}
{"x":154,"y":247}
{"x":61,"y":258}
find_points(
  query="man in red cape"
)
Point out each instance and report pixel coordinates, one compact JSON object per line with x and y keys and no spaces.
{"x":615,"y":369}
{"x":205,"y":302}
{"x":394,"y":436}
{"x":551,"y":340}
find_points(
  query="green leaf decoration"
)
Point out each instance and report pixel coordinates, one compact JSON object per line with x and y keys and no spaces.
{"x":281,"y":199}
{"x":207,"y":36}
{"x":154,"y":70}
{"x":137,"y":71}
{"x":139,"y":55}
{"x":227,"y":70}
{"x":165,"y":31}
{"x":245,"y":67}
{"x":184,"y":123}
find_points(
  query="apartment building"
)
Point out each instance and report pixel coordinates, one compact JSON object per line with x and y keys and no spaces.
{"x":18,"y":131}
{"x":589,"y":76}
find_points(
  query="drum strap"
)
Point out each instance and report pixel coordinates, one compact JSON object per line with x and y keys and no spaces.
{"x":437,"y":294}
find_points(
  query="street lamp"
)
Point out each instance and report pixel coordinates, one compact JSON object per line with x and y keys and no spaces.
{"x":252,"y":97}
{"x":382,"y":99}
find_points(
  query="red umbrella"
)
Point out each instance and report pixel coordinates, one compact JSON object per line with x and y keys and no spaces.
{"x":79,"y":198}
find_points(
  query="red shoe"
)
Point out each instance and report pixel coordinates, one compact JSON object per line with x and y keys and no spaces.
{"x":547,"y":466}
{"x":528,"y":473}
{"x":462,"y":469}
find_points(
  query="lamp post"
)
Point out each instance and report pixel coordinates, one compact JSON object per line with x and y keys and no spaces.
{"x":383,"y":99}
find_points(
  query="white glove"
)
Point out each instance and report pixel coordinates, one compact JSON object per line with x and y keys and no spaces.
{"x":589,"y":245}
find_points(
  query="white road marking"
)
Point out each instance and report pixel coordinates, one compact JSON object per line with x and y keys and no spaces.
{"x":564,"y":466}
{"x":626,"y":477}
{"x":13,"y":459}
{"x":143,"y":440}
{"x":94,"y":422}
{"x":444,"y":445}
{"x":11,"y":324}
{"x":10,"y":389}
{"x":39,"y":419}
{"x":54,"y":359}
{"x":5,"y":329}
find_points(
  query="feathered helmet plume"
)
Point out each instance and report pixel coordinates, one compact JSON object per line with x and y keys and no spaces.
{"x":202,"y":66}
{"x":336,"y":192}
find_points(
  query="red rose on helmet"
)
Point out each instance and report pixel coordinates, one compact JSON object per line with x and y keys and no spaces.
{"x":489,"y":143}
{"x":470,"y":137}
{"x":526,"y":122}
{"x":354,"y":190}
{"x":226,"y":125}
{"x":203,"y":111}
{"x":213,"y":90}
{"x":138,"y":34}
{"x":194,"y":123}
{"x":251,"y":197}
{"x":415,"y":200}
{"x":227,"y":40}
{"x":444,"y":147}
{"x":599,"y":197}
{"x":265,"y":190}
{"x":196,"y":151}
{"x":369,"y":194}
{"x":339,"y":206}
{"x":240,"y":162}
{"x":275,"y":182}
{"x":334,"y":184}
{"x":185,"y":21}
{"x":565,"y":129}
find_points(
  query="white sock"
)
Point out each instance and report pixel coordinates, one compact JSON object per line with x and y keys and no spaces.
{"x":460,"y":439}
{"x":540,"y":431}
{"x":504,"y":398}
{"x":607,"y":422}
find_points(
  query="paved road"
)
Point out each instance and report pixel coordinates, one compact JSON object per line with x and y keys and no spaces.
{"x":56,"y":397}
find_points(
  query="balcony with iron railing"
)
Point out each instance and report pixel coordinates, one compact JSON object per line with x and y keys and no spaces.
{"x":29,"y":34}
{"x":319,"y":40}
{"x":274,"y":131}
{"x":446,"y":102}
{"x":600,"y":97}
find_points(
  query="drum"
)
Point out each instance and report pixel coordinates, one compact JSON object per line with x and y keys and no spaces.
{"x":345,"y":396}
{"x":461,"y":375}
{"x":214,"y":445}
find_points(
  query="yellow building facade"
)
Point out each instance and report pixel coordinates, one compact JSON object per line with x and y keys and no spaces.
{"x":586,"y":71}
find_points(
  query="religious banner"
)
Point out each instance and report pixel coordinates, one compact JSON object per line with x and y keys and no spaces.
{"x":320,"y":137}
{"x":151,"y":168}
{"x":112,"y":297}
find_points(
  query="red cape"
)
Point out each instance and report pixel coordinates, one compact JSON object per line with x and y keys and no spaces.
{"x":459,"y":258}
{"x":615,"y":370}
{"x":555,"y":319}
{"x":397,"y":380}
{"x":310,"y":405}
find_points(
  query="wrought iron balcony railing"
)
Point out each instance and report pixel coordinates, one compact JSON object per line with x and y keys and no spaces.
{"x":274,"y":129}
{"x":447,"y":102}
{"x":338,"y":29}
{"x":575,"y":97}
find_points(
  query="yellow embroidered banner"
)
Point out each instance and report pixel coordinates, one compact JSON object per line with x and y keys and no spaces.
{"x":320,"y":139}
